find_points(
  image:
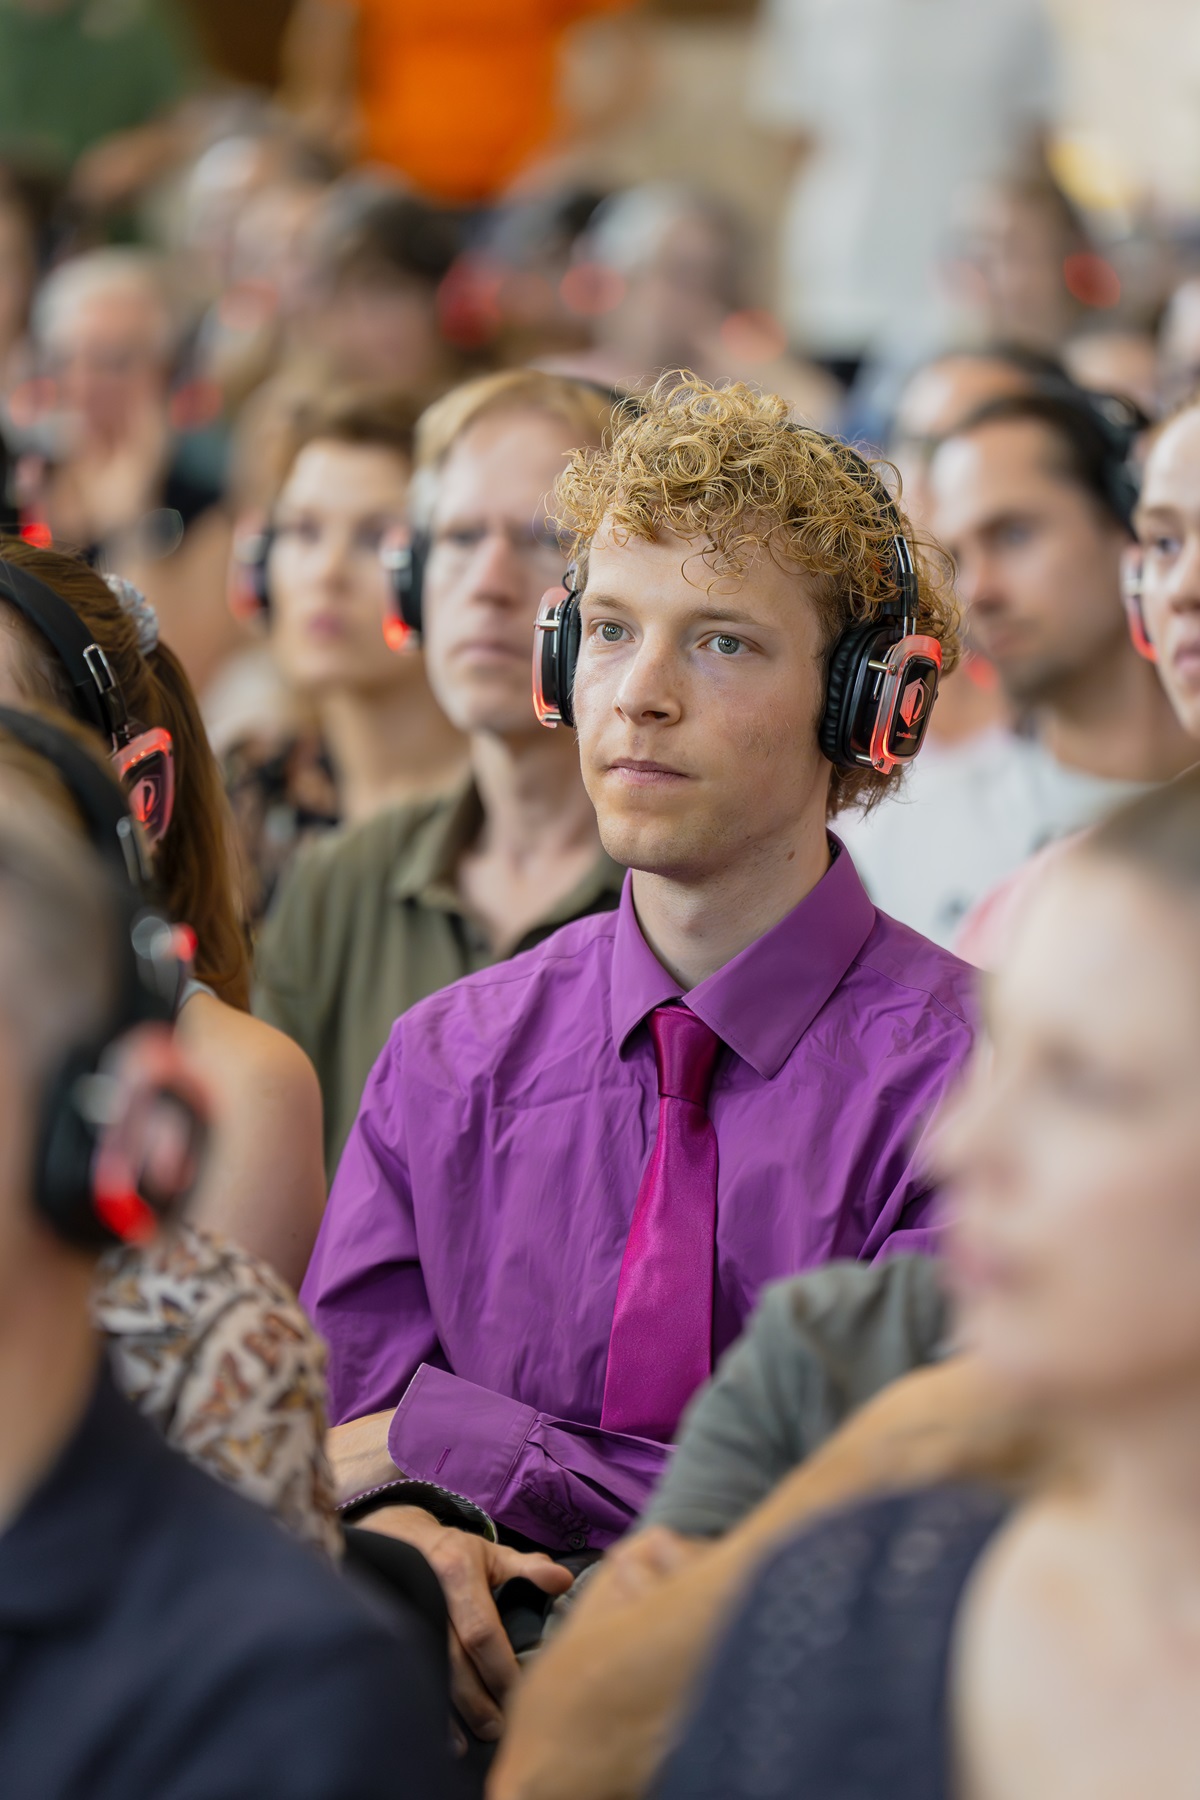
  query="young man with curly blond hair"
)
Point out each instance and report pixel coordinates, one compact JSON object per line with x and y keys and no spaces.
{"x":571,"y":1174}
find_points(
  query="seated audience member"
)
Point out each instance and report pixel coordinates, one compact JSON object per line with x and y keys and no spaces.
{"x":1163,"y":601}
{"x":1032,"y":498}
{"x":203,"y":1338}
{"x":674,"y":262}
{"x":951,"y":1640}
{"x":1117,"y":360}
{"x":597,"y":1713}
{"x":264,"y":1187}
{"x":377,"y":258}
{"x":202,"y":1651}
{"x":314,"y":575}
{"x":937,"y":397}
{"x":383,"y":915}
{"x":103,"y":471}
{"x":506,"y":1130}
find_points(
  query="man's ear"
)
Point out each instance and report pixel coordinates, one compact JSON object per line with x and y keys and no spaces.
{"x":155,"y":1125}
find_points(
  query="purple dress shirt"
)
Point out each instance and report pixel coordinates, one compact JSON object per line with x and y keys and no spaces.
{"x":467,"y":1266}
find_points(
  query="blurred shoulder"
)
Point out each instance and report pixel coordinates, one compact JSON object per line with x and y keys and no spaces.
{"x":237,"y":1053}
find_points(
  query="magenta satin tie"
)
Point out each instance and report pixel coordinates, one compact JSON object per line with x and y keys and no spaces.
{"x":661,"y":1345}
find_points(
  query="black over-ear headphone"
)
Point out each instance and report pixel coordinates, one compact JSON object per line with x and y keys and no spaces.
{"x":251,"y":597}
{"x":883,"y":675}
{"x":144,"y":760}
{"x":405,"y":561}
{"x":71,"y":1191}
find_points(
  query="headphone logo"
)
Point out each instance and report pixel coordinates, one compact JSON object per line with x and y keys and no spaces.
{"x":913,"y":702}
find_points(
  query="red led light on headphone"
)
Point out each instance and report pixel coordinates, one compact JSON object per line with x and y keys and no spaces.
{"x":910,"y":671}
{"x":146,"y":767}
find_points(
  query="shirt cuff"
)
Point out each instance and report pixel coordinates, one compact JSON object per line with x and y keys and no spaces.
{"x":451,"y":1432}
{"x":447,"y":1507}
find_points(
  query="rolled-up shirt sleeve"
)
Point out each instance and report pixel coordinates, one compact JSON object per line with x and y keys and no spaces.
{"x":364,"y":1289}
{"x":565,"y":1485}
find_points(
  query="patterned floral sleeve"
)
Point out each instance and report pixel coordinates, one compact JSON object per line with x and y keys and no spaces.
{"x":214,"y":1349}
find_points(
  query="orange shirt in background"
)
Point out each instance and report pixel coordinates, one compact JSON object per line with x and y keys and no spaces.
{"x":460,"y":95}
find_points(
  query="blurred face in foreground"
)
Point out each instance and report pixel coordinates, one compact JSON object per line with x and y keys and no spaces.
{"x":697,"y":699}
{"x":1074,"y":1152}
{"x":1168,"y":526}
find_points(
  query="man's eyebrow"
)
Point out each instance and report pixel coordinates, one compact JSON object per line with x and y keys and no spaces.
{"x":725,"y":615}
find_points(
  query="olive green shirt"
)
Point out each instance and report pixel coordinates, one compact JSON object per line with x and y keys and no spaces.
{"x":369,"y":921}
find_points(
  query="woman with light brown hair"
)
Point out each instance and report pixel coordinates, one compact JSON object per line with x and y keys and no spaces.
{"x":69,"y":639}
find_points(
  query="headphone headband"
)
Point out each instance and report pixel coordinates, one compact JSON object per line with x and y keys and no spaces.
{"x":98,"y":696}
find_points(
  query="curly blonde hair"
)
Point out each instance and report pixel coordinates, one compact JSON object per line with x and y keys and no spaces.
{"x":728,"y":465}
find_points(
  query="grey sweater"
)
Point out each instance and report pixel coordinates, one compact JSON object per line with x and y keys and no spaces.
{"x":816,"y":1347}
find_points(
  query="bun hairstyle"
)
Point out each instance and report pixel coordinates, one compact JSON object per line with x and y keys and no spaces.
{"x":193,"y":862}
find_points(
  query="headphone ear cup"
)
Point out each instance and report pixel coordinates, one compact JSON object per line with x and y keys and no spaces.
{"x":570,"y":633}
{"x":65,"y":1157}
{"x":251,"y":593}
{"x":844,"y":662}
{"x":405,"y":565}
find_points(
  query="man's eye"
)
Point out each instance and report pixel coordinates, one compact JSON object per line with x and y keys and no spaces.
{"x":1163,"y":546}
{"x":726,"y":645}
{"x":609,"y":632}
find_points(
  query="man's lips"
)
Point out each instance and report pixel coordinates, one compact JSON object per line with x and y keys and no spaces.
{"x":641,"y":772}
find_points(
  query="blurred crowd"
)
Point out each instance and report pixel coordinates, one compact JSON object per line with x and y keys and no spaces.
{"x":340,"y":342}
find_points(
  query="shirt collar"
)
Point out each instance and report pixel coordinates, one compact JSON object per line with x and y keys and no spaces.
{"x":427,"y":872}
{"x":764,"y":1000}
{"x":64,"y":1550}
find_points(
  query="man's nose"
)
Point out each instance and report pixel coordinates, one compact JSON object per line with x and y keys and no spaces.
{"x":498,"y":572}
{"x":649,"y":686}
{"x":977,"y":584}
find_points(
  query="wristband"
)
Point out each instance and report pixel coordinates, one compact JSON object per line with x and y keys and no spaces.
{"x":447,"y":1508}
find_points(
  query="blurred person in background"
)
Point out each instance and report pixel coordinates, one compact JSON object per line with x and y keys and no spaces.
{"x":376,"y":918}
{"x":1041,"y":1639}
{"x":203,"y":1650}
{"x":1022,"y":265}
{"x":100,"y":467}
{"x":1032,"y":498}
{"x":377,"y":736}
{"x":890,"y":111}
{"x":661,"y":269}
{"x":937,"y":396}
{"x":263,"y":1186}
{"x":459,"y":99}
{"x":1120,"y":360}
{"x":239,"y":237}
{"x":377,"y":258}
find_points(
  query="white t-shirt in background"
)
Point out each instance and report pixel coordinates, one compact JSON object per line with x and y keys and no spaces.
{"x":964,"y":820}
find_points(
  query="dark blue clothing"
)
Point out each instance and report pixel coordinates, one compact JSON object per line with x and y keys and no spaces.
{"x":161,"y":1639}
{"x":831,"y":1683}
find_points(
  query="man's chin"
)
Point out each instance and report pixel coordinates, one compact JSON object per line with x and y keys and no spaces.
{"x":654,"y":846}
